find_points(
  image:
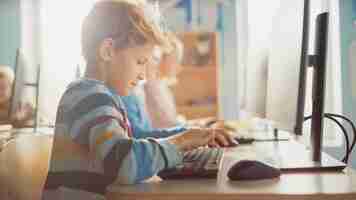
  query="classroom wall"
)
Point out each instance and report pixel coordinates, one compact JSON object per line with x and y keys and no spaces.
{"x":9,"y":31}
{"x":229,"y":101}
{"x":30,"y":36}
{"x":348,"y":40}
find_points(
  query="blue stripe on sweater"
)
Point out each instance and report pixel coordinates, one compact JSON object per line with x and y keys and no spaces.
{"x":143,"y":153}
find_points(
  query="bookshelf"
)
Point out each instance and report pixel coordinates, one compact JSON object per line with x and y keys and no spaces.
{"x":196,"y":91}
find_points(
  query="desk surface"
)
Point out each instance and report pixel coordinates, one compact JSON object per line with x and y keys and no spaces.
{"x":307,"y":185}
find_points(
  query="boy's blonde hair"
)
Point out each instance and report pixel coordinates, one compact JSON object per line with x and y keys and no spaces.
{"x":7,"y":73}
{"x":126,"y":23}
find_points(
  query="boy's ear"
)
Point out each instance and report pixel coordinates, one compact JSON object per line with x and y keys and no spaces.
{"x":106,"y":50}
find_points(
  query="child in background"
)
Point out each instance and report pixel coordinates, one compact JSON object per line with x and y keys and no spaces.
{"x":6,"y":80}
{"x":23,"y":113}
{"x":137,"y":110}
{"x":159,"y":99}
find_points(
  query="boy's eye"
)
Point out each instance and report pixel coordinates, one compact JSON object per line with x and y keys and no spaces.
{"x":142,"y":61}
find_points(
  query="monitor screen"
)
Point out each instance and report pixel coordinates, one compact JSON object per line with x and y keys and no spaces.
{"x":287,"y":59}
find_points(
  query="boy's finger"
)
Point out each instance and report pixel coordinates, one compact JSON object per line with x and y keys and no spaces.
{"x":221,"y":138}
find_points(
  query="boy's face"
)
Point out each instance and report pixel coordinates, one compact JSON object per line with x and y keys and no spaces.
{"x":5,"y":90}
{"x":129,"y":66}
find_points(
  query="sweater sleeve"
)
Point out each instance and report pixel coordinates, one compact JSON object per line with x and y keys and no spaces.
{"x":98,"y":124}
{"x":140,"y":123}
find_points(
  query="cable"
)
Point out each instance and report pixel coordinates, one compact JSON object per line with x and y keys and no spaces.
{"x":352,"y":126}
{"x":345,"y":158}
{"x":348,"y":147}
{"x":307,"y":118}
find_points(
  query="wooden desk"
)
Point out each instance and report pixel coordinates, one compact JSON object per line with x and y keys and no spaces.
{"x":301,"y":186}
{"x":24,"y":165}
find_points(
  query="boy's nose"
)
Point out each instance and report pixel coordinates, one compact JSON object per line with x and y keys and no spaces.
{"x":141,"y":76}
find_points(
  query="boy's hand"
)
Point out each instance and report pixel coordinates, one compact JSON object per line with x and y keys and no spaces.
{"x":222,"y":139}
{"x":192,"y":138}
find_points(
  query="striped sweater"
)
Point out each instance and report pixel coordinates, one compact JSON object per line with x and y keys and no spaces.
{"x":140,"y":122}
{"x":93,"y":144}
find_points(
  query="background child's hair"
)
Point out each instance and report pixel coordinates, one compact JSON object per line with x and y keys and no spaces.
{"x":177,"y":49}
{"x":7,"y":73}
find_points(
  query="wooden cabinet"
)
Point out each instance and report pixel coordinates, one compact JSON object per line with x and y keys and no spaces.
{"x":196,"y":90}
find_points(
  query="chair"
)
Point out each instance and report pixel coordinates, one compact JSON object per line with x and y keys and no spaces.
{"x":24,"y":166}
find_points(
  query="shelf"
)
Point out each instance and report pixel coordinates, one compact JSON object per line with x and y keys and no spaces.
{"x":197,"y":82}
{"x":195,"y":85}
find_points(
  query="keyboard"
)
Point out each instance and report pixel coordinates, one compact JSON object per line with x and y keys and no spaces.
{"x":199,"y":163}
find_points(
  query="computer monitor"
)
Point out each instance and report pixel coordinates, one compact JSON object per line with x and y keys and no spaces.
{"x":304,"y":63}
{"x":318,"y":62}
{"x":287,"y":65}
{"x":319,"y":79}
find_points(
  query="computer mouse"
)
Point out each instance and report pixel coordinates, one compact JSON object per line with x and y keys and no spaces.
{"x":252,"y":170}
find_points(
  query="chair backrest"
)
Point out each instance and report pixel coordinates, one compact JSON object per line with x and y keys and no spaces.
{"x":24,"y":166}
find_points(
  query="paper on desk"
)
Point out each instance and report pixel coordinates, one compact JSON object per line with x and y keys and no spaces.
{"x":241,"y":127}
